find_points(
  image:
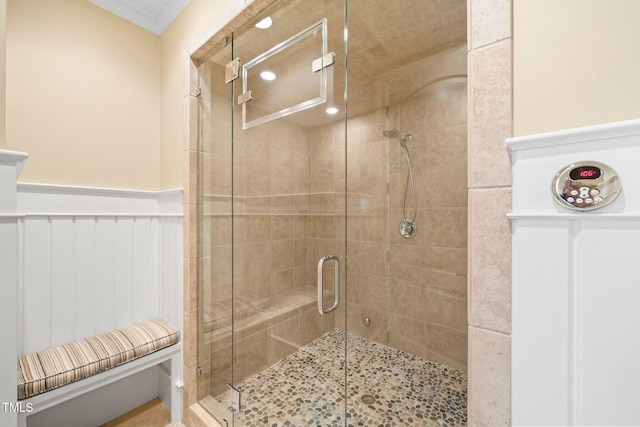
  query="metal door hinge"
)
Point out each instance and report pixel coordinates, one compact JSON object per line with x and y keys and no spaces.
{"x":323,"y":61}
{"x":234,"y":397}
{"x":245,"y":97}
{"x":232,"y":70}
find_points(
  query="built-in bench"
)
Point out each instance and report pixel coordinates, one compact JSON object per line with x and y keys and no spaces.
{"x":57,"y":374}
{"x":281,"y":323}
{"x":84,"y":270}
{"x":251,"y":310}
{"x":57,"y":366}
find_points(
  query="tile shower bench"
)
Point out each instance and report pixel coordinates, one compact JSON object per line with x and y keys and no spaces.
{"x":253,"y":311}
{"x":284,"y":322}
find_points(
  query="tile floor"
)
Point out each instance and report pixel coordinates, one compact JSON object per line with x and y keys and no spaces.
{"x":151,"y":414}
{"x":305,"y":388}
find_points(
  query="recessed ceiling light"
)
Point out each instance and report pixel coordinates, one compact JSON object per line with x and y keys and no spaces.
{"x":265,"y":23}
{"x":331,"y":110}
{"x":268,"y":75}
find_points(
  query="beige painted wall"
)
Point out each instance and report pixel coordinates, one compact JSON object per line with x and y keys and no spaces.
{"x":3,"y":71}
{"x":83,"y":95}
{"x":84,"y":104}
{"x":576,"y":63}
{"x":94,"y":99}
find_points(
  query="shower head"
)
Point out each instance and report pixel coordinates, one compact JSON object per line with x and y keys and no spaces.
{"x":391,"y":133}
{"x":395,"y":133}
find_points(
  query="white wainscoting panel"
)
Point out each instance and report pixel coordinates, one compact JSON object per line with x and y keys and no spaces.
{"x":607,"y":298}
{"x":539,"y":299}
{"x":170,"y":269}
{"x":85,"y":273}
{"x":575,"y":287}
{"x":11,"y":163}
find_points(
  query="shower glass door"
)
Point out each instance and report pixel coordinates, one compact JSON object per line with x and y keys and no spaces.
{"x":288,"y":217}
{"x":274,"y":348}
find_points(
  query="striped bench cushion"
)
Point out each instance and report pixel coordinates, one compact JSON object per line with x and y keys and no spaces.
{"x":56,"y":366}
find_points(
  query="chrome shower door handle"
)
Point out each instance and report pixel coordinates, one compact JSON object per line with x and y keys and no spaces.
{"x":336,"y":283}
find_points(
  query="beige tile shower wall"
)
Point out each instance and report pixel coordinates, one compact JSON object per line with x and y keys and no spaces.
{"x":428,"y":272}
{"x":214,"y":225}
{"x":490,"y":123}
{"x":489,"y":27}
{"x":271,"y":181}
{"x":416,"y":287}
{"x":285,"y":216}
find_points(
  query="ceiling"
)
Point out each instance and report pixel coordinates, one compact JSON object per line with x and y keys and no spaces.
{"x":153,"y":15}
{"x":398,"y":51}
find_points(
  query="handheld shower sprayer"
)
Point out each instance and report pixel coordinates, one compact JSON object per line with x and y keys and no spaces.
{"x":395,"y":133}
{"x":407,"y":227}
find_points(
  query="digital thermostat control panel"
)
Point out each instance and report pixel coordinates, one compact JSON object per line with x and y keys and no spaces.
{"x":585,"y":186}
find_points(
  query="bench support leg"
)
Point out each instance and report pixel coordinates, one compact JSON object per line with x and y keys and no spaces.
{"x":176,"y":390}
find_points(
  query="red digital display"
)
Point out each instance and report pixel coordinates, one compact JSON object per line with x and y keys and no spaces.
{"x":585,"y":172}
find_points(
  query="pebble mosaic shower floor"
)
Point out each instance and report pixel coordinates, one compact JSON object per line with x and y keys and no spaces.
{"x":305,"y":388}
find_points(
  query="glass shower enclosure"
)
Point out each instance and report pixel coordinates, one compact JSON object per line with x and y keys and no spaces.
{"x":273,"y":206}
{"x":299,"y":259}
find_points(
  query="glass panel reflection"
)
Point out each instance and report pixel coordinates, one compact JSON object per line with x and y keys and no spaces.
{"x":281,"y":81}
